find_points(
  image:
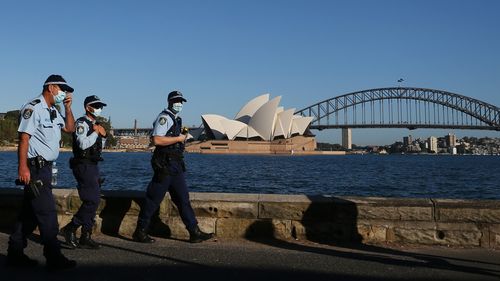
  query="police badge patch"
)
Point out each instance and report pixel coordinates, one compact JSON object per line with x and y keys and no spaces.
{"x":27,"y":113}
{"x":80,"y":129}
{"x":163,"y":120}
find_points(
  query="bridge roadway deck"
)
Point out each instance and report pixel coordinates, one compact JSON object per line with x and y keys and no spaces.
{"x":121,"y":259}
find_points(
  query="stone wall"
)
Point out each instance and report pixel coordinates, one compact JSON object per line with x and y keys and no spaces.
{"x":454,"y":223}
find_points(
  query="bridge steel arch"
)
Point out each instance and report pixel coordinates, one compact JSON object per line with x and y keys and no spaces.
{"x":393,"y":108}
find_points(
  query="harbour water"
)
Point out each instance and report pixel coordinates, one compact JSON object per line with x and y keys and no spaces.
{"x":408,"y":176}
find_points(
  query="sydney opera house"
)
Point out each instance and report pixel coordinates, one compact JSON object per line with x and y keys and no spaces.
{"x":261,"y":126}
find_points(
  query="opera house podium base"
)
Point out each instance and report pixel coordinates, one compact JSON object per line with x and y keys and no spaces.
{"x":294,"y":145}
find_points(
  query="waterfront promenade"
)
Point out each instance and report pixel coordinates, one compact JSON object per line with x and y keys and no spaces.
{"x":243,"y":259}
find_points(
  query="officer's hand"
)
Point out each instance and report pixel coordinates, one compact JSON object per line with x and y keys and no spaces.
{"x":68,"y":100}
{"x":24,"y":174}
{"x":102,"y":131}
{"x":182,"y":138}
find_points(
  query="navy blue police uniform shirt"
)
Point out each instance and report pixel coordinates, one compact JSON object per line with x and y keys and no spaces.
{"x":43,"y":124}
{"x":82,"y":128}
{"x":162,"y":124}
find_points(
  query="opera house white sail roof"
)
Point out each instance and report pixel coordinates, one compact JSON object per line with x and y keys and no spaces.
{"x":260,"y":118}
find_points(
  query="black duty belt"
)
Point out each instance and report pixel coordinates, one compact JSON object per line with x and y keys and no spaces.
{"x":38,"y":162}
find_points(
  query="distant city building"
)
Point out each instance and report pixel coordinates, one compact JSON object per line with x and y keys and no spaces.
{"x":433,"y":144}
{"x":140,"y":138}
{"x":424,"y":146}
{"x":451,"y":140}
{"x":132,"y":142}
{"x":407,"y":140}
{"x":453,"y":150}
{"x":134,"y":138}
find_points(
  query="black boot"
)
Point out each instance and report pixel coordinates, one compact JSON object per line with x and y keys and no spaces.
{"x":59,"y":262}
{"x":141,"y":235}
{"x":86,"y":241}
{"x":197,"y":236}
{"x":19,"y":259}
{"x":69,"y":233}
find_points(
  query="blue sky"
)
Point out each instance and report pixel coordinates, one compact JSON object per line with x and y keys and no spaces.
{"x":221,"y":54}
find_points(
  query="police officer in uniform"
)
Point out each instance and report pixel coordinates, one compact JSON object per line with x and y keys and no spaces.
{"x":87,"y":148}
{"x":39,"y":136}
{"x":168,"y":166}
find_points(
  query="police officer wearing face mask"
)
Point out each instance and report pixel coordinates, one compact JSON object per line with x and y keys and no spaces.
{"x":87,"y":148}
{"x":39,"y":136}
{"x":168,"y":166}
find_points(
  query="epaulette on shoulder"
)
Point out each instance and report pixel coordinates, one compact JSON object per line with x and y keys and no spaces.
{"x":83,"y":120}
{"x":35,"y":102}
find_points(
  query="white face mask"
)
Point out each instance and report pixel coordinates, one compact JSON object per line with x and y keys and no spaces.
{"x":97,"y":112}
{"x":59,"y":98}
{"x":177,"y":107}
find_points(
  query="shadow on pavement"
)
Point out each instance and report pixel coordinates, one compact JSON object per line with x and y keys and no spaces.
{"x":171,"y":272}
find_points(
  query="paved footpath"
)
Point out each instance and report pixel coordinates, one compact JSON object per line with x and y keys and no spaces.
{"x":122,"y":259}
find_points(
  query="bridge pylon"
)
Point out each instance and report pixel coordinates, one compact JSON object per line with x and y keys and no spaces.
{"x":347,"y":138}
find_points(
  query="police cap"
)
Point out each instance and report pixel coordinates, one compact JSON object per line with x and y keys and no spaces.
{"x":59,"y":81}
{"x":94,"y":101}
{"x":175,"y":95}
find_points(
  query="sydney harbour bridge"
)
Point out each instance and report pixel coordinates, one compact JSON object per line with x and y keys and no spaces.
{"x":402,"y":107}
{"x":410,"y":108}
{"x":394,"y":107}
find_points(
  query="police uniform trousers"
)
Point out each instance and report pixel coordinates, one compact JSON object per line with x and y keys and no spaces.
{"x":41,"y":212}
{"x":175,"y":183}
{"x":87,"y":177}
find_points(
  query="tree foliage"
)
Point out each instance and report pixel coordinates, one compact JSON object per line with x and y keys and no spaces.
{"x":8,"y":127}
{"x":10,"y":123}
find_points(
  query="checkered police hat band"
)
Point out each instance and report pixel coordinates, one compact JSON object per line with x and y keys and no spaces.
{"x":175,"y":97}
{"x":55,"y":83}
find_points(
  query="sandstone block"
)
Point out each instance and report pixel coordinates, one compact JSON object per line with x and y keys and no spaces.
{"x":126,"y":225}
{"x":66,"y":200}
{"x":372,"y":233}
{"x":439,"y":234}
{"x":241,"y":228}
{"x":415,"y":236}
{"x":324,"y":232}
{"x":344,"y":211}
{"x":469,"y":215}
{"x":296,"y":210}
{"x":72,"y":203}
{"x":371,"y":212}
{"x":290,"y":198}
{"x":218,"y":209}
{"x":393,"y":208}
{"x":224,"y":197}
{"x":282,"y":229}
{"x":178,"y":229}
{"x":494,"y":236}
